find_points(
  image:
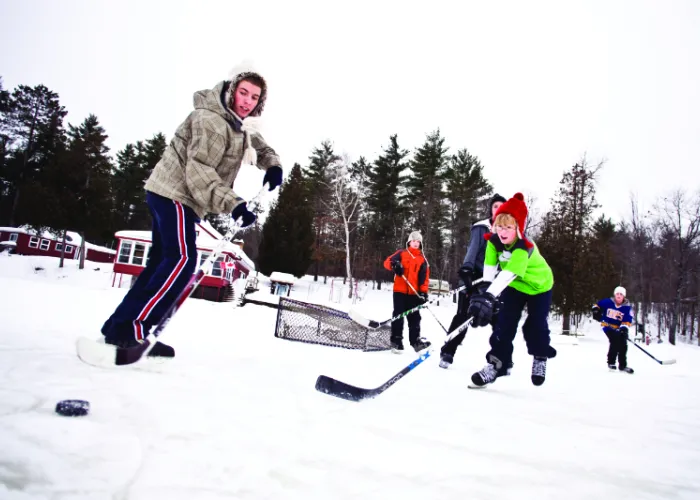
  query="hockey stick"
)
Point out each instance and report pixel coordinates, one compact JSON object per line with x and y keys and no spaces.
{"x":425,"y":303}
{"x":370,"y":323}
{"x":664,"y":362}
{"x":349,"y":392}
{"x":109,"y":355}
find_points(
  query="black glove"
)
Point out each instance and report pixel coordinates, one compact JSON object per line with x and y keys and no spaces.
{"x":423,"y":296}
{"x":597,"y":313}
{"x":481,"y":308}
{"x":624,"y":332}
{"x":397,"y":267}
{"x":273,"y":177}
{"x":465,"y":274}
{"x":241,"y":211}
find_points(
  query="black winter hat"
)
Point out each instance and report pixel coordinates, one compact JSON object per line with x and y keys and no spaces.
{"x":496,"y":197}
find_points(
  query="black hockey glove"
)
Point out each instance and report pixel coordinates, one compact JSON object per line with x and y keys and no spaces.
{"x":397,"y":267}
{"x":624,"y":333}
{"x":241,"y":211}
{"x":481,"y":308}
{"x":465,"y":274}
{"x":423,"y":296}
{"x":273,"y":177}
{"x":597,"y":314}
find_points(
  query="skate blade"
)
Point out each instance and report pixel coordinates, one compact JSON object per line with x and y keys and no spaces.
{"x":397,"y":351}
{"x":474,"y":386}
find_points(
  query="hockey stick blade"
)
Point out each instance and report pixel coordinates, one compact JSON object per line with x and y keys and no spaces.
{"x":96,"y":353}
{"x":341,"y":390}
{"x":361,"y":320}
{"x":103,"y":355}
{"x":668,"y":362}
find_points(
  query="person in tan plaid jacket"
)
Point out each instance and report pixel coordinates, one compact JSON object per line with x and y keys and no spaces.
{"x":194,"y":177}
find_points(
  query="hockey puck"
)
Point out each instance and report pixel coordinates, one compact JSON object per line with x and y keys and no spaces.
{"x":72,"y":408}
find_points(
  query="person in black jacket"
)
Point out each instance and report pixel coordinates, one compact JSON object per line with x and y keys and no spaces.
{"x":472,"y":270}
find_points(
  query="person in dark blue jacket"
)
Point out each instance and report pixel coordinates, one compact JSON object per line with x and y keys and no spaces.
{"x":615,"y":316}
{"x":472,"y":270}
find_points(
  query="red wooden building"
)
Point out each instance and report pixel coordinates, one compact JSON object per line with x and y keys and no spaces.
{"x":24,"y":241}
{"x":232,"y":264}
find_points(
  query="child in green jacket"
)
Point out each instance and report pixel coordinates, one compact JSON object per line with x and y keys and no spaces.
{"x":525,"y":279}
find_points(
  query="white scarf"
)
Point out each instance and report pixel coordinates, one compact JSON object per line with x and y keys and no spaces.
{"x":250,"y":125}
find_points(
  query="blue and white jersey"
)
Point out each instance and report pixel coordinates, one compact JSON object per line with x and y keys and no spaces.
{"x":615,"y":316}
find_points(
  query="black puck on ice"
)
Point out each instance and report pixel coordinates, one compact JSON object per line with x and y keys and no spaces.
{"x":72,"y":408}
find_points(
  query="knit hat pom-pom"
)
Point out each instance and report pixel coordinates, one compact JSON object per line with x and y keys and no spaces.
{"x":519,"y":196}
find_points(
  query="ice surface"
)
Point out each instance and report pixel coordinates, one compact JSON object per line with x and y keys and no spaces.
{"x":235,"y":414}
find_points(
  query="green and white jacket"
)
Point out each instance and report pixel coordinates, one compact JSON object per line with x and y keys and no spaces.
{"x":521,"y":268}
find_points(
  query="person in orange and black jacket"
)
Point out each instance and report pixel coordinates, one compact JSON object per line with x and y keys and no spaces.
{"x":412,"y":265}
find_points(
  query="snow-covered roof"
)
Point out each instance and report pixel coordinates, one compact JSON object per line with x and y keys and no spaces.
{"x":207,"y":239}
{"x":278,"y":277}
{"x":72,"y":237}
{"x":9,"y":243}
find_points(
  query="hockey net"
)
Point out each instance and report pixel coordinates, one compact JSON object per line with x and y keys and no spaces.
{"x":317,"y":324}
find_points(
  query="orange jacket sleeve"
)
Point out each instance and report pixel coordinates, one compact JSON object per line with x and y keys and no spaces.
{"x":387,"y":262}
{"x":424,"y":286}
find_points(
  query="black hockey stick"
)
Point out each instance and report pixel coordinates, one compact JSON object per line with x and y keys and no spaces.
{"x":664,"y":362}
{"x":342,"y":390}
{"x":370,"y":323}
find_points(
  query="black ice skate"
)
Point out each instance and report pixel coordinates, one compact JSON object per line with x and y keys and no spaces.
{"x":159,"y":350}
{"x":627,"y":369}
{"x":420,"y":344}
{"x":487,"y":375}
{"x":446,"y":360}
{"x":397,"y":346}
{"x":539,"y":369}
{"x":612,"y":366}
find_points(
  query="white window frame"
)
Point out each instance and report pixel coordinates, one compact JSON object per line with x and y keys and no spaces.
{"x":48,"y":244}
{"x":128,"y":255}
{"x":59,"y":246}
{"x":69,"y":248}
{"x":144,"y":259}
{"x":14,"y":236}
{"x":33,"y":242}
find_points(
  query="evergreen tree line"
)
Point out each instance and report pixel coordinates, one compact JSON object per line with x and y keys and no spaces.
{"x":336,"y":217}
{"x":654,"y":255}
{"x":62,"y":177}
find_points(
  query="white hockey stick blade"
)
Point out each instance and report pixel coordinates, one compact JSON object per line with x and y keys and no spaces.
{"x":668,"y":362}
{"x":96,"y":353}
{"x":358,"y":318}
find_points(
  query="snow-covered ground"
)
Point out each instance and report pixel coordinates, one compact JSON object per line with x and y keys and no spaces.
{"x":235,"y":414}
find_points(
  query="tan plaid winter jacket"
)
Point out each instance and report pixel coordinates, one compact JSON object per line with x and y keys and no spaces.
{"x":202,"y":161}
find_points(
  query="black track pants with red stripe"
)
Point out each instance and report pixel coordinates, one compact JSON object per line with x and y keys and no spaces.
{"x":172,"y":260}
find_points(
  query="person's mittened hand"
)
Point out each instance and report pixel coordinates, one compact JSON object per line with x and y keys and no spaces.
{"x":423,"y":295}
{"x":624,"y":332}
{"x":465,"y":274}
{"x":241,"y":212}
{"x":597,"y":313}
{"x":397,"y":267}
{"x":481,"y":308}
{"x":273,"y":177}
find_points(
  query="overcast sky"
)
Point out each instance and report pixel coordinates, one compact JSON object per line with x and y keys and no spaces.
{"x":527,"y":86}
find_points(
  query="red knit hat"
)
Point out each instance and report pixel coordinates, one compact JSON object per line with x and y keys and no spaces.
{"x":517,"y":208}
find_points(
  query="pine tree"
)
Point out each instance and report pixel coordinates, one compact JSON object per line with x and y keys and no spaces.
{"x":601,"y":257}
{"x":89,"y":173}
{"x":288,"y":235}
{"x":316,"y":175}
{"x":465,"y":190}
{"x":563,"y":241}
{"x":32,"y":135}
{"x":425,"y":197}
{"x":134,"y":165}
{"x":385,"y":211}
